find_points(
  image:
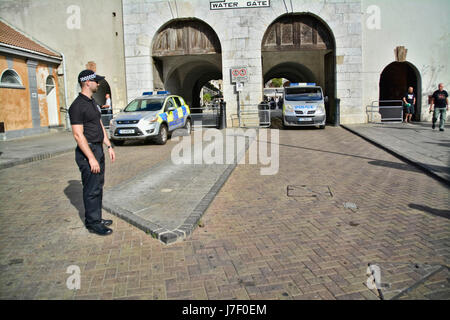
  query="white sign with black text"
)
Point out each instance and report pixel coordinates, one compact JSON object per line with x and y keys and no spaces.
{"x":237,"y":4}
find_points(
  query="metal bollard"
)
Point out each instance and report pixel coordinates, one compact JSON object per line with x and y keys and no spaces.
{"x":337,"y":113}
{"x":222,"y":115}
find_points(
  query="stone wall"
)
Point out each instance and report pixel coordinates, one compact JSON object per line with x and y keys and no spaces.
{"x":240,"y":32}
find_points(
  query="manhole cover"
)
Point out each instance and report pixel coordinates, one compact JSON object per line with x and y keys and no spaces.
{"x":309,"y":191}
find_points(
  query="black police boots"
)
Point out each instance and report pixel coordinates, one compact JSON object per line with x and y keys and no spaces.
{"x":99,"y":229}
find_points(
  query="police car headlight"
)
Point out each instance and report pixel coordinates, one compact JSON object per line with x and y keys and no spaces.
{"x":320,"y":109}
{"x":153,"y":120}
{"x":288,"y":108}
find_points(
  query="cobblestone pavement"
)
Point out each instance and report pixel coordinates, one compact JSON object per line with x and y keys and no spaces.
{"x":261,"y":239}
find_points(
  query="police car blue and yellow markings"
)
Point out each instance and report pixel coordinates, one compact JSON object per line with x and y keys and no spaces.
{"x":162,"y":117}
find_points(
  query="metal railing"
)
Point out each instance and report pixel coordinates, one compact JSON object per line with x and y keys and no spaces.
{"x":105,"y":119}
{"x":390,"y":112}
{"x":262,"y":113}
{"x":208,"y":117}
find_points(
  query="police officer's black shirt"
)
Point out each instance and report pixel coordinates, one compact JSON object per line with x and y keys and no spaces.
{"x":85,"y":111}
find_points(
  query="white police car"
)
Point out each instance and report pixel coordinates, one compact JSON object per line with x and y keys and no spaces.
{"x":151,"y":116}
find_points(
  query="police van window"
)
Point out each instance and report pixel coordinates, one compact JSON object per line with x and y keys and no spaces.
{"x":299,"y":94}
{"x":177,"y":100}
{"x":169,"y":104}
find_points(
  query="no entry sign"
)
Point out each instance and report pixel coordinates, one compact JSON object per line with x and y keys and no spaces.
{"x":239,"y":74}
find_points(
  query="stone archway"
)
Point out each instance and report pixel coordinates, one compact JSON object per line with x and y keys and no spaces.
{"x":395,"y":80}
{"x":301,"y":48}
{"x":186,"y":55}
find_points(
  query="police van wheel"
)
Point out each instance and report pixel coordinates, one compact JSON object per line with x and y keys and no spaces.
{"x":162,"y":135}
{"x":118,"y":142}
{"x":188,"y":127}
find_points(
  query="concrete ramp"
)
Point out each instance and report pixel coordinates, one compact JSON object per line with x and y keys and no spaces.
{"x":168,"y":200}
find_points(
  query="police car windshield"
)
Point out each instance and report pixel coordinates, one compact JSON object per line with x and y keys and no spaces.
{"x":300,"y":94}
{"x":144,"y":105}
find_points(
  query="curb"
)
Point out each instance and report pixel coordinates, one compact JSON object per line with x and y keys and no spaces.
{"x":37,"y":157}
{"x":402,"y":157}
{"x":186,"y":228}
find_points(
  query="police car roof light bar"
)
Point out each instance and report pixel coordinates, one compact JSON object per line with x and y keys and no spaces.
{"x":147,"y":93}
{"x":296,"y":84}
{"x":163,"y":92}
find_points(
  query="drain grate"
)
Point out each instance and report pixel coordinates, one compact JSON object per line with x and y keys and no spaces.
{"x":309,"y":191}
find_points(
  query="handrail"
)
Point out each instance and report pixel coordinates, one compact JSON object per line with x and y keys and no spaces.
{"x":400,"y":107}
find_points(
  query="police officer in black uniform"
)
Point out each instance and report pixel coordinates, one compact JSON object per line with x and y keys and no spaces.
{"x":89,"y":133}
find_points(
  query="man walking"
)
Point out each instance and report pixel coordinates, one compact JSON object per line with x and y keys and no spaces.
{"x":89,"y":133}
{"x":410,"y":101}
{"x":440,"y":102}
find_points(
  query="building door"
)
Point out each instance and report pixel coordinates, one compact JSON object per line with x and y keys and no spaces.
{"x":394,"y":82}
{"x":52,"y":105}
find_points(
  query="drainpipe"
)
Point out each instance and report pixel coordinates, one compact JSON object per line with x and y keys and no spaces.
{"x":68,"y":127}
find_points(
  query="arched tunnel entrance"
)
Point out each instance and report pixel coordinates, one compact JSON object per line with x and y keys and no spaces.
{"x":301,"y":48}
{"x":292,"y":71}
{"x":394,"y":82}
{"x":186,"y":55}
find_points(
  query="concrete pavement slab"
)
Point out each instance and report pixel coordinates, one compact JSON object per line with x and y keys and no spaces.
{"x":28,"y":149}
{"x":168,"y":200}
{"x":417,"y":143}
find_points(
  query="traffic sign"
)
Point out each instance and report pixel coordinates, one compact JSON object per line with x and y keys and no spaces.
{"x":239,"y":74}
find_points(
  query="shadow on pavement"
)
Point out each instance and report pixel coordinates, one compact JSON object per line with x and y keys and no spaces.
{"x":436,"y":212}
{"x":441,"y":144}
{"x":394,"y":165}
{"x":74,"y":192}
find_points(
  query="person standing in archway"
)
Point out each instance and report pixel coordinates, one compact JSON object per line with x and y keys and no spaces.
{"x":90,"y":135}
{"x":440,"y":103}
{"x":410,"y":101}
{"x":107,"y":106}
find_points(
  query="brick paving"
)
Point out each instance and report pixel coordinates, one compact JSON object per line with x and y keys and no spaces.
{"x":257,"y":243}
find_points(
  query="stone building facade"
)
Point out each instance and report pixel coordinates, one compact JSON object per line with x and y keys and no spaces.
{"x":343,"y":45}
{"x":359,"y":51}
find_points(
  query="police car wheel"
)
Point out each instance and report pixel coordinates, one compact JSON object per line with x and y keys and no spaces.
{"x":162,"y":136}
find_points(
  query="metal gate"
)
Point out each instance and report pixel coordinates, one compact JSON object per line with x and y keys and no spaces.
{"x":255,"y":116}
{"x":389,"y":110}
{"x":206,"y":117}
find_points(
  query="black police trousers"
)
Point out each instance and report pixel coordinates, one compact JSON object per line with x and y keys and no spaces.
{"x":92,"y":183}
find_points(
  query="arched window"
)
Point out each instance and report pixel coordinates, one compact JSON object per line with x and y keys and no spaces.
{"x":50,"y":84}
{"x":10,"y":79}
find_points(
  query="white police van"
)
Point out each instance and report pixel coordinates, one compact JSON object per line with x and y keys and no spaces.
{"x":304,"y":105}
